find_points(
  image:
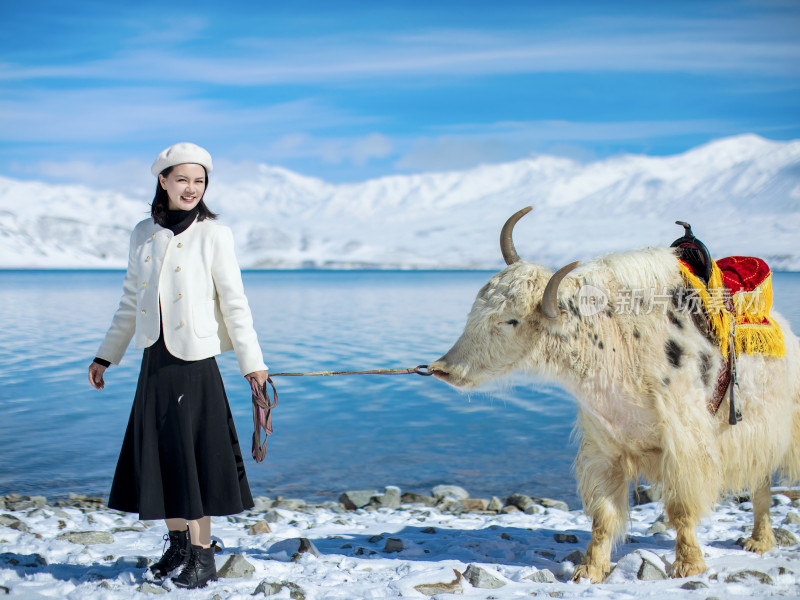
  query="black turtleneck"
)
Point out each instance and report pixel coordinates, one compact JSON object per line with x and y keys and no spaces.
{"x":177,"y":221}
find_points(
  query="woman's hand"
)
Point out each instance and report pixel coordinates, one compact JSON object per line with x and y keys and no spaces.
{"x":96,"y":376}
{"x":259,"y":376}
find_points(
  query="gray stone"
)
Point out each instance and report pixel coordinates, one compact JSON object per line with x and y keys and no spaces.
{"x":449,"y":491}
{"x":448,"y":505}
{"x":259,"y":528}
{"x":87,"y":538}
{"x":355,"y":499}
{"x":149,"y":588}
{"x":412,"y":498}
{"x":429,"y":530}
{"x":575,"y":557}
{"x":482,"y":578}
{"x":748,"y":574}
{"x":295,"y":591}
{"x":495,"y":504}
{"x":792,"y":518}
{"x":565,"y":538}
{"x":291,"y":549}
{"x":289,"y":504}
{"x":394,"y":544}
{"x":650,"y":572}
{"x":780,"y":499}
{"x":273,"y":516}
{"x":38,"y":501}
{"x":521,"y":501}
{"x":694,"y":585}
{"x":361,"y":551}
{"x":542,"y":576}
{"x":550,"y":503}
{"x":375,"y":539}
{"x":13,"y":522}
{"x":657,"y":527}
{"x":643,"y":494}
{"x":262,"y":503}
{"x":533,"y":509}
{"x":475,"y":505}
{"x":451,"y":587}
{"x":390,"y":498}
{"x":236,"y":566}
{"x":784,"y":537}
{"x":507,"y":510}
{"x":136,"y":528}
{"x":268,"y":588}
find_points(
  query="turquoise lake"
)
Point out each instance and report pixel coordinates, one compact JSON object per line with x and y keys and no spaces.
{"x":58,"y":435}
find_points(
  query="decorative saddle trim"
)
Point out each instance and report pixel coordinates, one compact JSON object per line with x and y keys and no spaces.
{"x":737,"y":302}
{"x":735,"y":295}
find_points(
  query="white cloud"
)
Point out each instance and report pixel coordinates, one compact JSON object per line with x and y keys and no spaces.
{"x":134,"y":113}
{"x":762,"y":46}
{"x":357,"y":150}
{"x":374,"y":145}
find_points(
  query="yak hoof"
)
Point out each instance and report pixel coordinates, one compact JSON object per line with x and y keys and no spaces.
{"x":591,"y":572}
{"x":685,"y":568}
{"x":759,"y":546}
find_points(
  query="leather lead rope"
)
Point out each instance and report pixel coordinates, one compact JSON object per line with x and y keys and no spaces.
{"x":418,"y":370}
{"x":262,"y":417}
{"x":262,"y":407}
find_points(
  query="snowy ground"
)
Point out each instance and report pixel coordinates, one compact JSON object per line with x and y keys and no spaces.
{"x":387,"y":553}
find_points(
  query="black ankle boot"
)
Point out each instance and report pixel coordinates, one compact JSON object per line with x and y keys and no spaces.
{"x":199,"y":569}
{"x":173,"y":555}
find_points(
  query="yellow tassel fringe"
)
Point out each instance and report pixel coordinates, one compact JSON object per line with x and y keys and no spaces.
{"x":755,"y":331}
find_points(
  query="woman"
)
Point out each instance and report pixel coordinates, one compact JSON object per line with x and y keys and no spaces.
{"x":183,"y":301}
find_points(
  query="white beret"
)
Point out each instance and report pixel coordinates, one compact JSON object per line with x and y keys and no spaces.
{"x":182,"y":153}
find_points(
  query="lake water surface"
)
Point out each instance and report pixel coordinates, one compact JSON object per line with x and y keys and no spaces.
{"x":59,"y":435}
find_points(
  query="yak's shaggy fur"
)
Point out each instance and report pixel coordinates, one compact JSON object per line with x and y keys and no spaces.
{"x":643,"y":379}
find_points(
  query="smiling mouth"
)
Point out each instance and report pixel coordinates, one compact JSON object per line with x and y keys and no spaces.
{"x":188,"y":198}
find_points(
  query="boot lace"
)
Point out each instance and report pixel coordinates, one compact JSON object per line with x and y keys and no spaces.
{"x":190,"y":566}
{"x":168,"y":554}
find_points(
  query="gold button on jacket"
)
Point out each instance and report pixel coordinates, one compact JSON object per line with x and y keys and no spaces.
{"x":213,"y":308}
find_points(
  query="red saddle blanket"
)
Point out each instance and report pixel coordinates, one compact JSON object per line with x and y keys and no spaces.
{"x":743,"y":273}
{"x":737,"y":301}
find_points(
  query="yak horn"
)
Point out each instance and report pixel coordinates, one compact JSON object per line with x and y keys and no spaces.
{"x":506,"y":242}
{"x":550,"y":296}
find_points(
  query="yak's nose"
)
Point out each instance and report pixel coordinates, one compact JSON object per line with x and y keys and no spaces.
{"x":439,"y":369}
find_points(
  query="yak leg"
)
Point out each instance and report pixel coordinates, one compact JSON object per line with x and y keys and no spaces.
{"x":762,"y":539}
{"x":688,"y":556}
{"x":606,"y":501}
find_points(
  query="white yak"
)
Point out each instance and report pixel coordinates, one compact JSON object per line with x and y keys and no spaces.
{"x":643,"y":380}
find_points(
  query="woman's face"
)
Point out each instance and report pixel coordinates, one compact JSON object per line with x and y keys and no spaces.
{"x":184,"y":185}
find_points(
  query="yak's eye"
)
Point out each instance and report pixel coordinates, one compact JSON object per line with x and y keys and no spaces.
{"x":513,"y":322}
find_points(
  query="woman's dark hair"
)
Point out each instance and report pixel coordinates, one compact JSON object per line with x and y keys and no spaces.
{"x":160,"y":205}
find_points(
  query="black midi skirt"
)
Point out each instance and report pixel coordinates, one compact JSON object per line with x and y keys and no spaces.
{"x":180,"y":457}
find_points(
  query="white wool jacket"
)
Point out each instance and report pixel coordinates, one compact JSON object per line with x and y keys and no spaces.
{"x":192,"y":284}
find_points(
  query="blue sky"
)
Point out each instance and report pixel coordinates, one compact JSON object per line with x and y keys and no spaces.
{"x":350,"y":90}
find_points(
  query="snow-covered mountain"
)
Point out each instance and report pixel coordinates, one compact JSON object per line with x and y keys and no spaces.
{"x":741,"y":194}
